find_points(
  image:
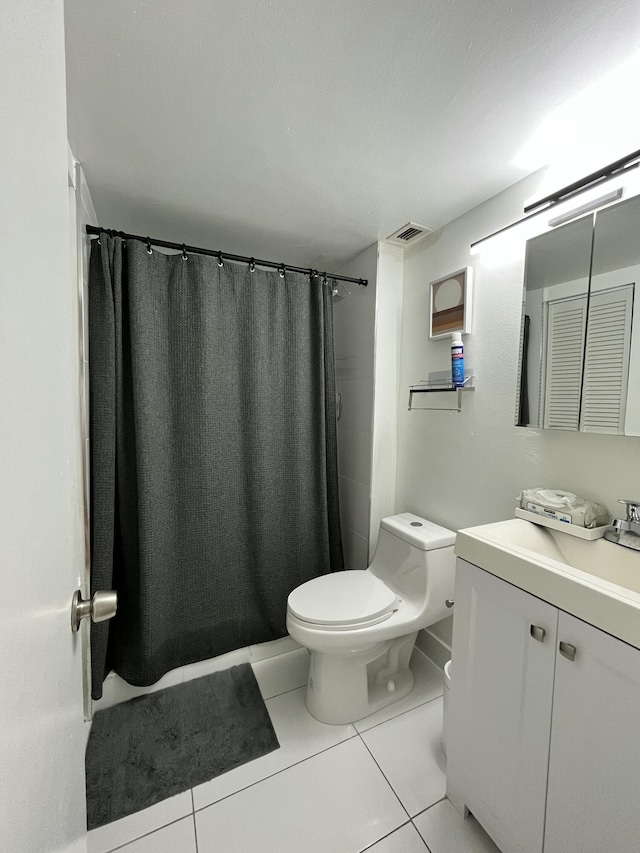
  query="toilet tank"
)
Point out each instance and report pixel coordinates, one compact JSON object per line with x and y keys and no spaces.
{"x":408,"y":548}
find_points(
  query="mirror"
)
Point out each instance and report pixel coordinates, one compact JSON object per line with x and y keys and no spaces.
{"x":580,"y":358}
{"x":554,"y":324}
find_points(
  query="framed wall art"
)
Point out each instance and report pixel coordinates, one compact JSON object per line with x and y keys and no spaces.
{"x":450,"y":304}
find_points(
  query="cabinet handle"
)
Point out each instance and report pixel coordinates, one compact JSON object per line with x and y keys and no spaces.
{"x":567,"y":651}
{"x":537,"y":633}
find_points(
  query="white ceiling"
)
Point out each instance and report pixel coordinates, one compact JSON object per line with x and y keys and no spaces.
{"x":303,"y":131}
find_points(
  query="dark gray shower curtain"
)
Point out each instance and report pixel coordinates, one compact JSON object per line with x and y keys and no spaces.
{"x":213,"y":453}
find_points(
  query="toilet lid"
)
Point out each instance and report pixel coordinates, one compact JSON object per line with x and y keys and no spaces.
{"x":343,"y":598}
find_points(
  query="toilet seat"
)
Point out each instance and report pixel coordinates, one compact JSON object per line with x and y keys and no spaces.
{"x":343,"y":600}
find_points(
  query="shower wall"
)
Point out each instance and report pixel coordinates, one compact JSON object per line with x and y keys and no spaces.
{"x":367,"y":337}
{"x":354,"y":332}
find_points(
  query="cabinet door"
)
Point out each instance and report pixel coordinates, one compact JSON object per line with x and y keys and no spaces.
{"x":501,"y":695}
{"x":594,"y":766}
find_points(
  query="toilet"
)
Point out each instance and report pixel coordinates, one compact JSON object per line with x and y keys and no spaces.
{"x":360,"y":626}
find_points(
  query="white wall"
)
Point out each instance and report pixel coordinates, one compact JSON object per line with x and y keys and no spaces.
{"x":463,"y":469}
{"x":367,"y":340}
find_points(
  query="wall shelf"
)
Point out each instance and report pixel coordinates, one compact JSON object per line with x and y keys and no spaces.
{"x":440,"y":383}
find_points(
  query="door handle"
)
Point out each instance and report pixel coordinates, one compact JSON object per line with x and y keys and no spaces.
{"x":567,"y":651}
{"x":537,"y":633}
{"x":101,"y":607}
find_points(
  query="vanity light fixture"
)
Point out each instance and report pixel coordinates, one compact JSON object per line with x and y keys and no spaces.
{"x":587,"y":207}
{"x":616,"y":169}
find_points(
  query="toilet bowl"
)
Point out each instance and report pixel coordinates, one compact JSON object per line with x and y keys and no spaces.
{"x":361,"y":626}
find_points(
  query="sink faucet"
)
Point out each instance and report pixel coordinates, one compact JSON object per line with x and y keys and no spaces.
{"x":626,"y":531}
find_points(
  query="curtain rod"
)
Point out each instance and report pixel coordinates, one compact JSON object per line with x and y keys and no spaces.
{"x":96,"y":230}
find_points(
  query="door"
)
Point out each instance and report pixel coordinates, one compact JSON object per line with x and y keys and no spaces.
{"x":606,"y":361}
{"x":594,"y":782}
{"x":501,"y":696}
{"x":565,"y":336}
{"x":41,"y":534}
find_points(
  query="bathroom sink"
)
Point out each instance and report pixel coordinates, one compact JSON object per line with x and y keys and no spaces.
{"x":595,"y":580}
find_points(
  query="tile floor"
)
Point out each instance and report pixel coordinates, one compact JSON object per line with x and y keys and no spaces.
{"x":377,"y":785}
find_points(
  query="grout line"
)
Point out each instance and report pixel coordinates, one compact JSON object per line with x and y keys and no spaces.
{"x":195,"y":830}
{"x":420,"y":834}
{"x":385,"y":777}
{"x":193,"y":804}
{"x":382,"y":838}
{"x":275,"y":773}
{"x":289,"y":690}
{"x":396,"y":716}
{"x":441,"y":800}
{"x":145,"y":834}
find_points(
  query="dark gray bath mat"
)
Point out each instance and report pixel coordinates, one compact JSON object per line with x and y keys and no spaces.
{"x":155,"y":746}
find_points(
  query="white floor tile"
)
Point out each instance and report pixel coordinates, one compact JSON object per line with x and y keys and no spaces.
{"x":409,"y":751}
{"x":428,"y":685}
{"x":133,"y":826}
{"x":282,"y":673}
{"x":407,"y":839}
{"x":445,"y":831}
{"x":337,"y":801}
{"x":299,"y":735}
{"x":178,"y":837}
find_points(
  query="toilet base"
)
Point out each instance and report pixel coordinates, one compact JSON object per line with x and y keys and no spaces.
{"x":343,"y":688}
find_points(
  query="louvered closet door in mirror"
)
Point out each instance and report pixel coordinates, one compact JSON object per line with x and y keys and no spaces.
{"x":606,"y":361}
{"x":565,"y":335}
{"x":611,"y":387}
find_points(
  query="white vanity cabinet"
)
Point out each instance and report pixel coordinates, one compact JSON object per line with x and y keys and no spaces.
{"x":593,"y":800}
{"x":543,"y":750}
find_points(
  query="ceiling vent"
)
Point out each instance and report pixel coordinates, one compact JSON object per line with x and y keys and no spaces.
{"x":409,"y":234}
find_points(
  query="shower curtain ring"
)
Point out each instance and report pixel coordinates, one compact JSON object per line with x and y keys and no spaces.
{"x":184,"y":252}
{"x":281,"y":270}
{"x":252,"y":265}
{"x":220,"y":261}
{"x":149,"y":249}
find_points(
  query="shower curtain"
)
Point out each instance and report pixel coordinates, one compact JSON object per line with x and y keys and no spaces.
{"x":213,"y":453}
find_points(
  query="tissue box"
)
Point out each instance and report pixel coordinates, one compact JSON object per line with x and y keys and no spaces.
{"x":563,"y":511}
